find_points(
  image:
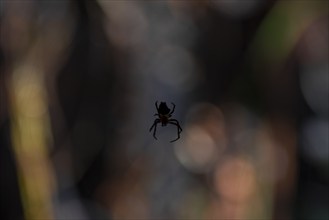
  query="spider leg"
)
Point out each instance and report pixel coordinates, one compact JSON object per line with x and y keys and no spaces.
{"x":156,"y":121}
{"x":179,"y":129}
{"x":156,"y":105}
{"x":172,"y":111}
{"x":155,"y":130}
{"x":175,"y":122}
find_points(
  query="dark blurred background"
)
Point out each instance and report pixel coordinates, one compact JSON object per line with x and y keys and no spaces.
{"x":78,"y":84}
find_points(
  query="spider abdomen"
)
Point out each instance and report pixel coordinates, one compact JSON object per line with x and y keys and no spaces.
{"x":163,"y":108}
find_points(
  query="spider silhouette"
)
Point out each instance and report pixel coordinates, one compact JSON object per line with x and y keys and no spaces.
{"x":164,"y":115}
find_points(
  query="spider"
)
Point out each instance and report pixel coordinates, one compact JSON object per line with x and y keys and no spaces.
{"x":164,"y":115}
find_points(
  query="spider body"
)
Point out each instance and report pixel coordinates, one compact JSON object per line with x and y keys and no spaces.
{"x":164,"y":120}
{"x":163,"y":113}
{"x":164,"y":117}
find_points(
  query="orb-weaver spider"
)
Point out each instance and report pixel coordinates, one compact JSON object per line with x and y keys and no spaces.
{"x":164,"y":115}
